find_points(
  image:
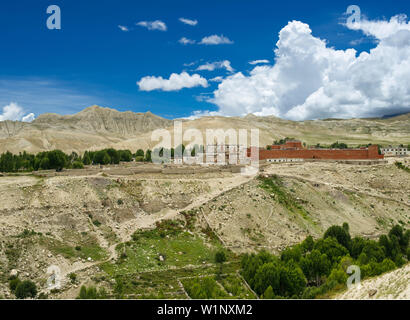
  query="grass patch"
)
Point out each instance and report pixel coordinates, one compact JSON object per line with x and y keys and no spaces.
{"x":169,"y":245}
{"x":235,"y":286}
{"x":86,"y":247}
{"x":402,"y":166}
{"x":156,"y":253}
{"x":274,"y":186}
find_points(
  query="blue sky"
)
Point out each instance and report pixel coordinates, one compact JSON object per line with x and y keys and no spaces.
{"x":92,"y":61}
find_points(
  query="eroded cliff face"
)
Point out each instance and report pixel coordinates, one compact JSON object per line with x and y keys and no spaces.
{"x":9,"y":128}
{"x":104,"y":120}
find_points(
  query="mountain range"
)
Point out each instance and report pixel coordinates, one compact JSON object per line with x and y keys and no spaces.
{"x":96,"y":127}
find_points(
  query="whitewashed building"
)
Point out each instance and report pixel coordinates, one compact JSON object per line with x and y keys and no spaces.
{"x":395,"y":151}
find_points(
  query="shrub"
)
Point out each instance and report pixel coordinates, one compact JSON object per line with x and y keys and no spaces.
{"x":96,"y":223}
{"x":26,"y":289}
{"x":338,"y":275}
{"x":88,"y":293}
{"x":387,"y":265}
{"x":140,"y":153}
{"x":13,"y":283}
{"x":220,"y":257}
{"x":269,"y":293}
{"x":73,"y":277}
{"x":78,"y":165}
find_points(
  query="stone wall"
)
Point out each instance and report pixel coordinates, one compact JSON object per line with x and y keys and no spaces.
{"x":329,"y":154}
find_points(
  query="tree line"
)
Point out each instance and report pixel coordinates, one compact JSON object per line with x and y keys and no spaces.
{"x":58,"y":160}
{"x":312,"y":268}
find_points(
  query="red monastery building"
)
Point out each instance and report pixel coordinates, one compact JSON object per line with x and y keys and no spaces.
{"x":295,"y":150}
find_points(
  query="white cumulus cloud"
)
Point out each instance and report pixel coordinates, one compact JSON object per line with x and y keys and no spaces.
{"x":216,"y":79}
{"x":189,"y":21}
{"x":211,"y":66}
{"x":153,"y":25}
{"x":215,"y":40}
{"x":28,"y":118}
{"x":262,"y":61}
{"x":310,"y":80}
{"x":186,"y":41}
{"x":174,"y":83}
{"x":381,"y":29}
{"x":123,"y":28}
{"x":14,"y":112}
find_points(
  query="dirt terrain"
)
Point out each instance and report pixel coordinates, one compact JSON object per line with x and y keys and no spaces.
{"x":75,"y":221}
{"x":392,"y":285}
{"x":97,"y":211}
{"x":370,"y":198}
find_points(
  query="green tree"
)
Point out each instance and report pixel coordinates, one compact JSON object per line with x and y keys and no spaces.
{"x":357,"y":246}
{"x":220,"y":258}
{"x":331,"y":247}
{"x":102,"y":157}
{"x":125,"y":155}
{"x":373,"y":251}
{"x":267,"y":275}
{"x":315,"y":265}
{"x":308,"y":244}
{"x":402,"y":237}
{"x":45,"y":163}
{"x":139,"y":153}
{"x":57,"y":159}
{"x":292,"y":280}
{"x":86,"y":158}
{"x":338,"y":145}
{"x":114,"y":156}
{"x":341,"y":234}
{"x":251,"y":263}
{"x":148,"y":157}
{"x":292,"y":253}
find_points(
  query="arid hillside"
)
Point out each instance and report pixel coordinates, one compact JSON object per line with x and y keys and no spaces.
{"x":96,"y":128}
{"x":92,"y":127}
{"x":83,"y":221}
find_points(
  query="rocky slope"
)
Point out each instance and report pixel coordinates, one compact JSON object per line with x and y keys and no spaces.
{"x":392,"y":285}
